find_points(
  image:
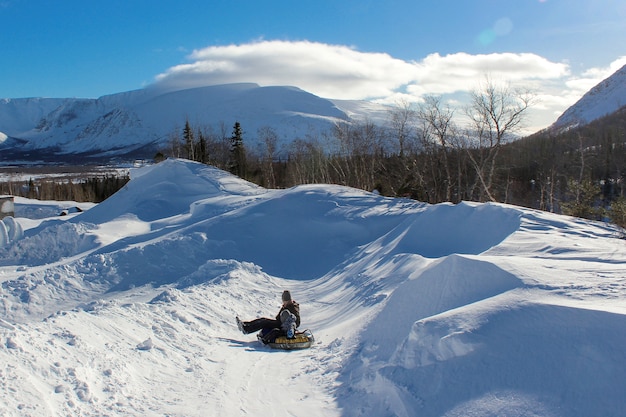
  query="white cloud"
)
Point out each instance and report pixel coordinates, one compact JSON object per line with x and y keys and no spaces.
{"x":333,"y":71}
{"x":462,"y":72}
{"x":557,"y":95}
{"x":338,"y":71}
{"x":592,"y":76}
{"x":343,"y":72}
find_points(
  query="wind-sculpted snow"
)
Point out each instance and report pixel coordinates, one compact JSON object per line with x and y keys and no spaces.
{"x":52,"y":241}
{"x":446,"y":229}
{"x":418,"y":310}
{"x":475,"y":355}
{"x":312,"y":229}
{"x":444,"y":285}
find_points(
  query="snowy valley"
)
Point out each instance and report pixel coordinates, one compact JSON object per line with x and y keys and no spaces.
{"x":128,"y":308}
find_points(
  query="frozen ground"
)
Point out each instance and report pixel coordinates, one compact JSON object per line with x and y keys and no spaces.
{"x":418,"y":310}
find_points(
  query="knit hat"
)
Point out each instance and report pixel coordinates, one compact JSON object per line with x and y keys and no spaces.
{"x":286,"y":296}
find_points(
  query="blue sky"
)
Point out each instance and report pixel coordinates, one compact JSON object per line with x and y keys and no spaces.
{"x":379,"y":50}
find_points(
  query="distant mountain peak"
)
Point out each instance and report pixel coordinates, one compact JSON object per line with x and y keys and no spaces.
{"x":605,"y":98}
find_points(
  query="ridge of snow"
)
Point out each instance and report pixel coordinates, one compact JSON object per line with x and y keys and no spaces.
{"x":418,"y":310}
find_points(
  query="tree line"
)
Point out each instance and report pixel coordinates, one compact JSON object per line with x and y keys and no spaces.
{"x":424,"y":154}
{"x":91,"y":189}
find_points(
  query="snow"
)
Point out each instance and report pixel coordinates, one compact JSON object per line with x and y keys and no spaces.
{"x":605,"y":98}
{"x":33,"y":171}
{"x":18,"y":115}
{"x":418,"y":310}
{"x":119,"y":123}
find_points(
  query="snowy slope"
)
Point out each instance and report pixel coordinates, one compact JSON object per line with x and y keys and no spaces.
{"x":133,"y":120}
{"x":445,"y":310}
{"x":19,"y":115}
{"x":605,"y":98}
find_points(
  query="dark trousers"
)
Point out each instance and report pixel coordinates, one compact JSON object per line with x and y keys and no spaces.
{"x":259,"y":324}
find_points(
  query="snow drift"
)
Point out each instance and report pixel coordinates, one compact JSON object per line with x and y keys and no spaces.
{"x":418,"y":310}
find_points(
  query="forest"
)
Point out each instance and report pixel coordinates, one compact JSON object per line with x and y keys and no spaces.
{"x":84,"y":188}
{"x":424,"y":154}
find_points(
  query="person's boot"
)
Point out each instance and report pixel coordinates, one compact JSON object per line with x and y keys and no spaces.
{"x":240,"y":326}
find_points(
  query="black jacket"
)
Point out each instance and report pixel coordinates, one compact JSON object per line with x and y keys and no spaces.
{"x":294,"y":308}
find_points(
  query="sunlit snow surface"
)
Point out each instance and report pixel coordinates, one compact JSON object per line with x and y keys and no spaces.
{"x":418,"y":310}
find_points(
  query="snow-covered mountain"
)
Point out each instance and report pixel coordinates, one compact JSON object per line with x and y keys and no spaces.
{"x":128,"y":308}
{"x":146,"y":119}
{"x":605,"y":98}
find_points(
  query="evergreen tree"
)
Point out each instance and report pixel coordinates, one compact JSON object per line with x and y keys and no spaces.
{"x":583,"y":199}
{"x":237,"y":163}
{"x":202,"y":155}
{"x":159,"y":157}
{"x":189,"y":141}
{"x":617,"y":212}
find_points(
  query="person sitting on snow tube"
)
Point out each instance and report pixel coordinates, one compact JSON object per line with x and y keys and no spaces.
{"x":286,"y":322}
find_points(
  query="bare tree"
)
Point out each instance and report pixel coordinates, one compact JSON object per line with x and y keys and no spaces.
{"x":176,"y":146}
{"x":439,"y":128}
{"x":496,"y":112}
{"x":307,"y":162}
{"x":269,"y":139}
{"x":360,"y":154}
{"x":401,"y":121}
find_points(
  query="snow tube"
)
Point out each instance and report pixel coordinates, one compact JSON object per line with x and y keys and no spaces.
{"x":301,"y":340}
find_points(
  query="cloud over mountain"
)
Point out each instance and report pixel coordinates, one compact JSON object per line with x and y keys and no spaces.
{"x":344,"y":72}
{"x":333,"y":71}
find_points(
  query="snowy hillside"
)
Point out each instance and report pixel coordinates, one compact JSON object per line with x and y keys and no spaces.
{"x":128,"y":308}
{"x":146,"y":119}
{"x":605,"y":98}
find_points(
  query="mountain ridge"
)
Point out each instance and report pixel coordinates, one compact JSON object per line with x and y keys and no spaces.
{"x":605,"y":98}
{"x":148,"y":118}
{"x":138,"y":123}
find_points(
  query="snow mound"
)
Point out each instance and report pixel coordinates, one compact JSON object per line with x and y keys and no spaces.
{"x":418,"y":310}
{"x":53,"y":241}
{"x":468,"y":338}
{"x":445,"y":229}
{"x":449,"y":283}
{"x":488,"y":351}
{"x":312,"y":229}
{"x":168,"y":189}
